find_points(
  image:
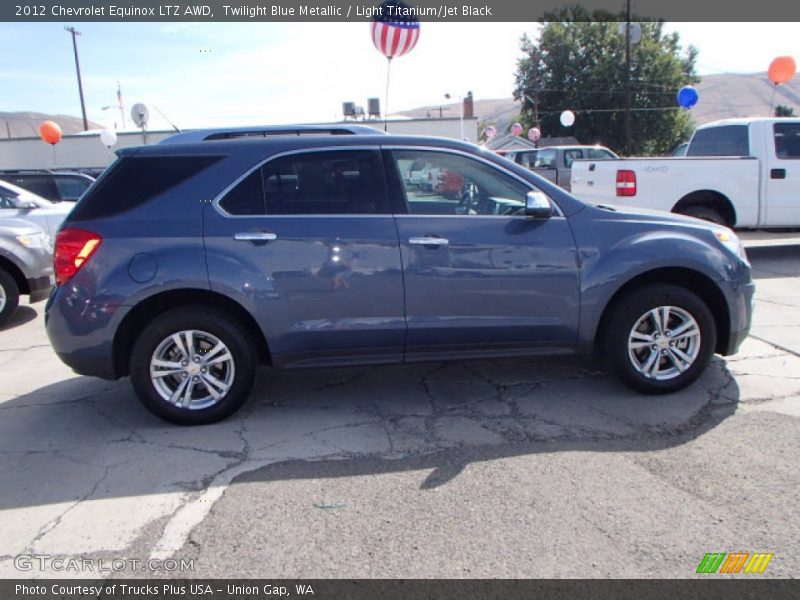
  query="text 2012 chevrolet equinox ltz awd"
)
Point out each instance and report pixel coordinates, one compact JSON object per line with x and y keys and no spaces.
{"x":192,"y":262}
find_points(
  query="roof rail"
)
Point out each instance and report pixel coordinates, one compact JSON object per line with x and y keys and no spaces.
{"x":26,"y":171}
{"x":230,"y":133}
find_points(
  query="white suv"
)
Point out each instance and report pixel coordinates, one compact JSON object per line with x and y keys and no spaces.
{"x":18,"y":203}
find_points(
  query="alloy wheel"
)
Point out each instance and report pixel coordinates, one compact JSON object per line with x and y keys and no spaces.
{"x":192,"y":369}
{"x":664,"y":342}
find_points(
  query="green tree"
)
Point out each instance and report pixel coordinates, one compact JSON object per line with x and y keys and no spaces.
{"x":578,"y":63}
{"x":784,"y":111}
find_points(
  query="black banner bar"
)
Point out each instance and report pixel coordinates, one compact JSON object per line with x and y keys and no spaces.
{"x":423,"y":10}
{"x":745,"y":587}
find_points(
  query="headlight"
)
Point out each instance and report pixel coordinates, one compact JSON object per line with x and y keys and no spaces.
{"x":35,"y":240}
{"x":732,"y":242}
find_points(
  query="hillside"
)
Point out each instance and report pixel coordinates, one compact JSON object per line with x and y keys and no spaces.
{"x":26,"y":124}
{"x":721,"y":97}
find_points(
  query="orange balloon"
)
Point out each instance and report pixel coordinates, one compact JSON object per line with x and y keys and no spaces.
{"x":781,"y":70}
{"x":50,"y":132}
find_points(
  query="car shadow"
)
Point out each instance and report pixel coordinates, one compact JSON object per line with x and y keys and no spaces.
{"x":84,"y":438}
{"x":23,"y":314}
{"x":769,"y":262}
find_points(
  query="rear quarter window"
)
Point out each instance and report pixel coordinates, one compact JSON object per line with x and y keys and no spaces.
{"x":133,"y":181}
{"x":725,"y":140}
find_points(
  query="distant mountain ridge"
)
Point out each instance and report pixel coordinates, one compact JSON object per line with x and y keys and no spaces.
{"x":723,"y":96}
{"x":26,"y":124}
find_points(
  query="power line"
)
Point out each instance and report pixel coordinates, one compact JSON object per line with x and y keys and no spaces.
{"x":599,"y":110}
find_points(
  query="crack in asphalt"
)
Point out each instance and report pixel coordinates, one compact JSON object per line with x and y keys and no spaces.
{"x":774,"y":345}
{"x":25,"y":349}
{"x":56,"y":521}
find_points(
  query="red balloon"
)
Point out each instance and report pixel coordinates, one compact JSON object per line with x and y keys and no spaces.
{"x":781,"y":70}
{"x":50,"y":132}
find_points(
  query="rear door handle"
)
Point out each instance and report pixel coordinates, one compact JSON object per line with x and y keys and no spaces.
{"x":777,"y":174}
{"x":428,"y":241}
{"x":255,"y":236}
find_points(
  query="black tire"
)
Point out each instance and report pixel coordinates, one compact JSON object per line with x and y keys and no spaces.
{"x":239,"y":343}
{"x":627,"y":311}
{"x":10,"y":291}
{"x":707,"y":213}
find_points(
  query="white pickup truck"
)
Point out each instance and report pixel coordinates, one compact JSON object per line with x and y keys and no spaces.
{"x":742,"y":173}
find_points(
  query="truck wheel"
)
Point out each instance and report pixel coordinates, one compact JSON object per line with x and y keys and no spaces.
{"x":706,"y":213}
{"x":192,"y":366}
{"x":9,"y":297}
{"x":660,"y":338}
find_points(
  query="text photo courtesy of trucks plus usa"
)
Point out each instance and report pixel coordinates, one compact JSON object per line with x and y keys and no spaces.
{"x":304,"y":304}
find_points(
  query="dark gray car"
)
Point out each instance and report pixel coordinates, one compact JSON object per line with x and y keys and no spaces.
{"x":26,"y":265}
{"x":191,"y":262}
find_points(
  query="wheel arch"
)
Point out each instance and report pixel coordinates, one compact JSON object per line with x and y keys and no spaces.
{"x":16,"y":274}
{"x":146,"y":310}
{"x":690,"y":279}
{"x":712,"y":199}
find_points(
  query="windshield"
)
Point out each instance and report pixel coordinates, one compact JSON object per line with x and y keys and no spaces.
{"x":23,"y":196}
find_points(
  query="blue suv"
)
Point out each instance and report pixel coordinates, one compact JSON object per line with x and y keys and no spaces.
{"x":192,"y":262}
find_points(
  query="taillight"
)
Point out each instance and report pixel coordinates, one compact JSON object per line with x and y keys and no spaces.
{"x":74,"y":247}
{"x":626,"y":182}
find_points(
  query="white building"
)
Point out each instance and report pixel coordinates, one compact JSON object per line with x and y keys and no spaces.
{"x":86,"y":149}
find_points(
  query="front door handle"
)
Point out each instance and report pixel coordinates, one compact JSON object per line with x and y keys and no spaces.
{"x":255,"y":236}
{"x":428,"y":241}
{"x":777,"y":174}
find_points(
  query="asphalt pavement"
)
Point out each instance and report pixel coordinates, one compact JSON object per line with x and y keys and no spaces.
{"x":512,"y":468}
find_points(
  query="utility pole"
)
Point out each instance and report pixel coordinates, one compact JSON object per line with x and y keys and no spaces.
{"x":121,"y":104}
{"x":628,"y":131}
{"x":76,"y":33}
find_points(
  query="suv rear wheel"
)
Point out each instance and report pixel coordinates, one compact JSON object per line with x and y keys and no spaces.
{"x":660,"y":338}
{"x":192,"y":366}
{"x":9,"y":297}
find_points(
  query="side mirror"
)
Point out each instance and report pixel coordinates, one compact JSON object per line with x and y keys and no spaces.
{"x":538,"y":206}
{"x":29,"y":205}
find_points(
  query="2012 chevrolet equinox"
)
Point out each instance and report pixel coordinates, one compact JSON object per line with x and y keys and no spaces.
{"x":191,"y":262}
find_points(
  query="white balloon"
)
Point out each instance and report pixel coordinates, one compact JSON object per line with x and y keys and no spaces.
{"x":108,"y":137}
{"x":567,"y":118}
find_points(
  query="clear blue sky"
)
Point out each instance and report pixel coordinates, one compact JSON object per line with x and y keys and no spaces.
{"x":240,"y":73}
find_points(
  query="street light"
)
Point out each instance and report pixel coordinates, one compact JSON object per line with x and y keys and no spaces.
{"x":461,"y":113}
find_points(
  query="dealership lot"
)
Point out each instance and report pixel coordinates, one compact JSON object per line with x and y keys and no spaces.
{"x":517,"y":468}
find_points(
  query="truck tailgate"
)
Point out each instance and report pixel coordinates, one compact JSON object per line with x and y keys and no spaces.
{"x":662,"y":182}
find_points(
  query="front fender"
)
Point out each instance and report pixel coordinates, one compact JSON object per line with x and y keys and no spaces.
{"x":606,"y":270}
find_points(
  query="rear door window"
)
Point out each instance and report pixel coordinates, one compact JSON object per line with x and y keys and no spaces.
{"x":725,"y":140}
{"x":71,"y":187}
{"x":572,"y":155}
{"x":526,"y":159}
{"x":545,"y":159}
{"x":41,"y":185}
{"x":787,"y":140}
{"x":598,"y":154}
{"x":346,"y":182}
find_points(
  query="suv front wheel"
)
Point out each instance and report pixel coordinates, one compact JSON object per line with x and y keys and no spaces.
{"x":660,"y":338}
{"x":193,"y":366}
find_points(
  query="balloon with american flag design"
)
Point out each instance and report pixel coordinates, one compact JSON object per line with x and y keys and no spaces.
{"x":393,"y":33}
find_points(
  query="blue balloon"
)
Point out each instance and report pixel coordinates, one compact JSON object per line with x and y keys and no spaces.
{"x":687,"y":97}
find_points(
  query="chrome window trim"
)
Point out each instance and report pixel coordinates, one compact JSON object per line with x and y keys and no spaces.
{"x":401,"y":216}
{"x":558,"y":213}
